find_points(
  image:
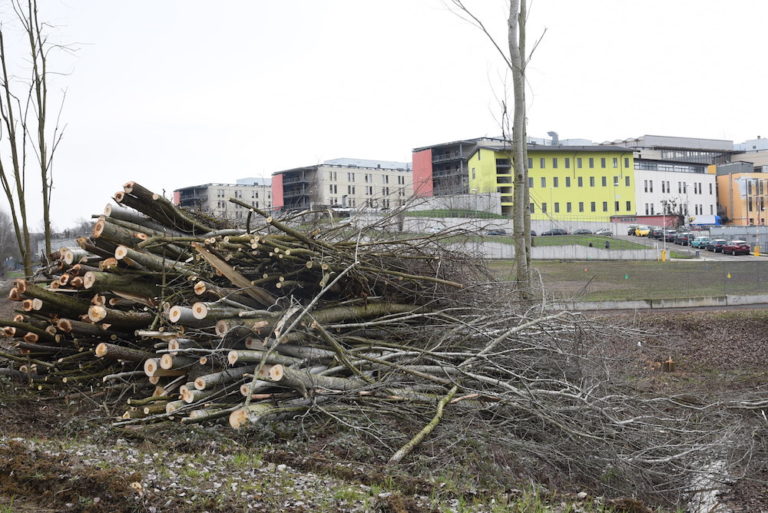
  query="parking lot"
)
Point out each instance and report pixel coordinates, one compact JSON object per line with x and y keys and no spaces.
{"x":702,"y":253}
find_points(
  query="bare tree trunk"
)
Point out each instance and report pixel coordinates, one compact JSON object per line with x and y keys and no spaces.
{"x":521,"y":213}
{"x":25,"y":130}
{"x":18,"y":208}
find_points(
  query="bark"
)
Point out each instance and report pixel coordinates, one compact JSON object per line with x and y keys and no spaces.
{"x":521,"y":229}
{"x":115,"y":352}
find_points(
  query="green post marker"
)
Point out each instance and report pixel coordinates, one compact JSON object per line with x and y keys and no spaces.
{"x":626,"y":276}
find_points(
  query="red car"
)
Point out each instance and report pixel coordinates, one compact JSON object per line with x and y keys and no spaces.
{"x":736,"y":247}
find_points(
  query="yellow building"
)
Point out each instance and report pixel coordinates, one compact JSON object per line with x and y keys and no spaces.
{"x":566,"y":183}
{"x":742,"y":197}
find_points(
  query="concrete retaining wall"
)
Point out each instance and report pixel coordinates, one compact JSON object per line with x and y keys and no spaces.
{"x":661,"y":304}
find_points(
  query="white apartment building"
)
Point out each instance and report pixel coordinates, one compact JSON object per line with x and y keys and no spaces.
{"x":665,"y":187}
{"x":214,"y":197}
{"x":344,"y":183}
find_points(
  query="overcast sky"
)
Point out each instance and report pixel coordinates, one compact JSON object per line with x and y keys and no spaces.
{"x":178,"y":93}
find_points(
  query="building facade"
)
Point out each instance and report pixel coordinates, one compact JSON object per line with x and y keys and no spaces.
{"x":566,"y":183}
{"x":344,"y":183}
{"x":676,"y":188}
{"x":741,"y":194}
{"x":213,"y":198}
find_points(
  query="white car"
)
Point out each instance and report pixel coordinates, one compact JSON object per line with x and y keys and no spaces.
{"x":604,"y":232}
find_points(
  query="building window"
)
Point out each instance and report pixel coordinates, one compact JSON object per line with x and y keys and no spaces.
{"x":554,"y":162}
{"x":605,"y":206}
{"x":591,"y":181}
{"x":557,"y":207}
{"x":568,"y":207}
{"x":710,"y":188}
{"x":554,"y":181}
{"x":567,"y":163}
{"x":578,"y":162}
{"x":350,"y":189}
{"x":650,"y":185}
{"x":592,"y":206}
{"x":652,"y":207}
{"x":543,"y":208}
{"x":530,"y":163}
{"x":615,"y":181}
{"x":530,"y":182}
{"x":369,"y":190}
{"x":629,"y":206}
{"x":711,"y":208}
{"x":473,"y":173}
{"x":646,"y":209}
{"x":604,"y":181}
{"x":543,"y":181}
{"x":616,"y":206}
{"x":581,"y":206}
{"x":531,"y":208}
{"x":626,"y":162}
{"x":567,"y":181}
{"x":541,"y":163}
{"x":626,"y":181}
{"x":679,"y":187}
{"x":579,"y":181}
{"x":602,"y":162}
{"x":385,"y":178}
{"x":591,"y":162}
{"x":615,"y":164}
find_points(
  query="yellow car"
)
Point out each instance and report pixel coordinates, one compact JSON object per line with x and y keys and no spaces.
{"x":642,"y":231}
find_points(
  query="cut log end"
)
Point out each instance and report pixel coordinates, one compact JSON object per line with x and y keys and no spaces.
{"x":200,"y":288}
{"x":174,"y":314}
{"x":166,"y":362}
{"x":238,"y":418}
{"x":200,"y":384}
{"x":89,"y":279}
{"x":97,"y":313}
{"x":101,"y":350}
{"x":200,"y":310}
{"x":232,"y":357}
{"x":151,"y":366}
{"x":98,"y":228}
{"x":121,"y":252}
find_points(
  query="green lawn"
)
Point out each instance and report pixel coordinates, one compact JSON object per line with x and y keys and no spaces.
{"x":586,"y":240}
{"x":621,"y":280}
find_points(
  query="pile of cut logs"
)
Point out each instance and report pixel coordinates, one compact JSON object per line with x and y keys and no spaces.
{"x":188,"y":319}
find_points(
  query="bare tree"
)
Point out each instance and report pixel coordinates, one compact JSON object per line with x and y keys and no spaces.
{"x":24,"y":118}
{"x":516,"y":62}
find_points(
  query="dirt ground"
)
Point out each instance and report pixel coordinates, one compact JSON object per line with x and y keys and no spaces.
{"x":63,"y":456}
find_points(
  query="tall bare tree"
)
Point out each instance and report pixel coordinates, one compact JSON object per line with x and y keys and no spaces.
{"x":25,"y":128}
{"x":516,"y":61}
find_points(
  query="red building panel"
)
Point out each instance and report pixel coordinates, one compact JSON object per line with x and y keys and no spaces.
{"x":277,"y":192}
{"x":422,"y":173}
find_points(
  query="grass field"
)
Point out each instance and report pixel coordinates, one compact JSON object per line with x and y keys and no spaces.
{"x":620,"y":280}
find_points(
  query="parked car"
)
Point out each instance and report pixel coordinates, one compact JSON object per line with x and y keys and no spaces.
{"x":582,"y":231}
{"x":669,"y":236}
{"x":656,"y":233}
{"x":699,"y":242}
{"x":555,"y":231}
{"x":497,"y":231}
{"x":631,"y":230}
{"x":682,"y":238}
{"x":604,"y":232}
{"x":736,"y":247}
{"x":533,"y":233}
{"x":715,"y":245}
{"x":642,"y":231}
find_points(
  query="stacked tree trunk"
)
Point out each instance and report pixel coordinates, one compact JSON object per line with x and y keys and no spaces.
{"x":202,"y":321}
